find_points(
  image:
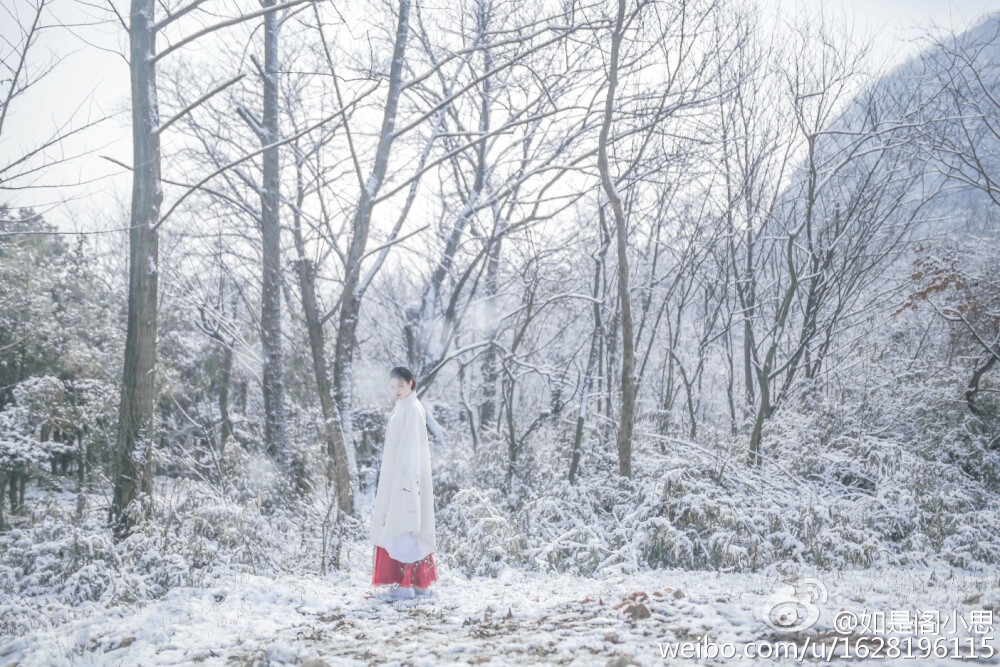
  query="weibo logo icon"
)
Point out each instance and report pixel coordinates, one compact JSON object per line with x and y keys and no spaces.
{"x":792,"y":608}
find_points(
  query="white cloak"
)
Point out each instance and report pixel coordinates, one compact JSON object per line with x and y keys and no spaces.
{"x":403,"y":518}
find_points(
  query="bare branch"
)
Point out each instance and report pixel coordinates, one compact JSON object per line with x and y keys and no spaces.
{"x":226,"y":24}
{"x":281,"y":142}
{"x":199,"y":101}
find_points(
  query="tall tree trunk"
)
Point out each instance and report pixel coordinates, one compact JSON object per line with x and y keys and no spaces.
{"x":509,"y":385}
{"x":764,"y":371}
{"x":336,"y":445}
{"x":749,"y":312}
{"x":133,"y":474}
{"x":487,"y":407}
{"x":627,"y":420}
{"x":224,"y":382}
{"x":592,"y":361}
{"x":81,"y":475}
{"x":12,"y":490}
{"x":241,"y":396}
{"x":270,"y":316}
{"x":351,"y":302}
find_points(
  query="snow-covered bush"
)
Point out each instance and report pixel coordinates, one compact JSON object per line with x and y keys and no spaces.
{"x":19,"y":452}
{"x":18,"y":449}
{"x":476,"y":533}
{"x":851,"y":501}
{"x":559,"y":527}
{"x":210,"y":530}
{"x":71,"y":564}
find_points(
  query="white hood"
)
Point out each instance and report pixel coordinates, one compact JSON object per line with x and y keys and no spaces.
{"x":404,"y":499}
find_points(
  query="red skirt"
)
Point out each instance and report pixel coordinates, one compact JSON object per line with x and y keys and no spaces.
{"x":388,"y":570}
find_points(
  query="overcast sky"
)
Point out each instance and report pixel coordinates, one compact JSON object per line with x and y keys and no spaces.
{"x":92,"y":80}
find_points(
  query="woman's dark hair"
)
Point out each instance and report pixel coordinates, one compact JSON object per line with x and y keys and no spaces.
{"x":405,"y":374}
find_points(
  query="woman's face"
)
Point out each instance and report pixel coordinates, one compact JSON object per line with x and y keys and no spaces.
{"x":399,"y":387}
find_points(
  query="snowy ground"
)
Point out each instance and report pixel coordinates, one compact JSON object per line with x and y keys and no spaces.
{"x":517,"y":618}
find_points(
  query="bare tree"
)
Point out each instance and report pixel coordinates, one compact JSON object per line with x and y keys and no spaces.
{"x":215,"y":320}
{"x":23,"y":69}
{"x":629,"y":391}
{"x":337,"y":450}
{"x":433,"y":108}
{"x":674,"y":37}
{"x":215,"y":137}
{"x":964,"y":79}
{"x":133,"y":473}
{"x":811,"y":247}
{"x":958,"y":279}
{"x":522,"y":139}
{"x":595,"y":348}
{"x":350,"y":304}
{"x":270,"y":307}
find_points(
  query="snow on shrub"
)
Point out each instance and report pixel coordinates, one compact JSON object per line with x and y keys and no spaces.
{"x":561,"y":533}
{"x":60,"y":560}
{"x":18,"y":450}
{"x":476,"y":534}
{"x":852,"y":501}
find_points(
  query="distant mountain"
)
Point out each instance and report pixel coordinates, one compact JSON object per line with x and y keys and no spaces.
{"x":954,"y":90}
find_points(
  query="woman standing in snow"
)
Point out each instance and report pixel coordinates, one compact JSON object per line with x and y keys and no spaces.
{"x":402,"y":529}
